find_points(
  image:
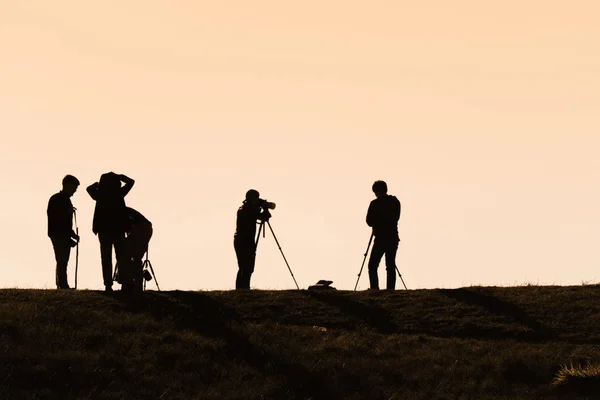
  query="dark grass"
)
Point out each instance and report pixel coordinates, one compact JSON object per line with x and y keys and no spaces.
{"x":470,"y":343}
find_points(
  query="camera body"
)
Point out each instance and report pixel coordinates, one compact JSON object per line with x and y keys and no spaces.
{"x":266,"y":205}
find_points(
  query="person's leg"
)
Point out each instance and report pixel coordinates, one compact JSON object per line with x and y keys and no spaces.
{"x":106,"y":246}
{"x":390,"y":263}
{"x":137,"y":243}
{"x":376,"y":254}
{"x":240,"y":261}
{"x":138,"y":279}
{"x":123,"y":256}
{"x":62,"y":251}
{"x":251,"y":262}
{"x":245,"y":253}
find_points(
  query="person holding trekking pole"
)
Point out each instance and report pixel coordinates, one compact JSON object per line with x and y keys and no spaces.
{"x":60,"y":228}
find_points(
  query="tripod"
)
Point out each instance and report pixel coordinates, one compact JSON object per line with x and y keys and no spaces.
{"x":263,"y":230}
{"x":147,"y":273}
{"x":363,"y":264}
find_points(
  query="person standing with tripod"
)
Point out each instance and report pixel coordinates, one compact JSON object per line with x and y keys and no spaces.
{"x":244,"y":238}
{"x":383,"y":216}
{"x":60,"y":228}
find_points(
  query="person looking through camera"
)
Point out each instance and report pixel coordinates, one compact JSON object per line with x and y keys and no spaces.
{"x":253,"y":209}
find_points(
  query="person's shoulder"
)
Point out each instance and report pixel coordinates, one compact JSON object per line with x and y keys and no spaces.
{"x":56,"y":197}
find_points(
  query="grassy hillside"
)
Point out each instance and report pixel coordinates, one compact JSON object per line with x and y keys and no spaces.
{"x":471,"y":343}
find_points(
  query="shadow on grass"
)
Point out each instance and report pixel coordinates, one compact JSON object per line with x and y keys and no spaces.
{"x":375,"y":317}
{"x":208,"y":317}
{"x":386,"y":322}
{"x":535,"y":329}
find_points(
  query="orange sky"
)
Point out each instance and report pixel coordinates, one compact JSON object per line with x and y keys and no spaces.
{"x":482,"y":119}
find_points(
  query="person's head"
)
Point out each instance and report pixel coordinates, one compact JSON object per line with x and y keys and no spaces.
{"x":252,"y":196}
{"x":380,"y":188}
{"x":70,"y":185}
{"x":109,"y":182}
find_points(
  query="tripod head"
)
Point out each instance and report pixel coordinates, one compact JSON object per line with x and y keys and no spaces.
{"x":265,"y":216}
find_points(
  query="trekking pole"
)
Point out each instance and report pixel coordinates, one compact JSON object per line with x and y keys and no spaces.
{"x":363,"y":263}
{"x":76,"y":247}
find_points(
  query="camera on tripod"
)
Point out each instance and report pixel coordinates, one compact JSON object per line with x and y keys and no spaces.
{"x":266,"y":205}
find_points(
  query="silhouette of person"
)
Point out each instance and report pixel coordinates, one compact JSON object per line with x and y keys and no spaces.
{"x":383,"y":216}
{"x":60,"y":228}
{"x":137,"y":242}
{"x":110,"y":224}
{"x":244,"y":238}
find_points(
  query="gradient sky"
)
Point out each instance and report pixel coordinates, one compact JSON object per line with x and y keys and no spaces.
{"x":483,"y":119}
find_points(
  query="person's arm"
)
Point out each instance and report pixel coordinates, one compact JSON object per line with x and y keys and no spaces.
{"x":264,"y":215}
{"x":397,"y":208}
{"x":51,"y":212}
{"x":93,"y":190}
{"x":371,"y":215}
{"x":58,"y":217}
{"x":128,"y":184}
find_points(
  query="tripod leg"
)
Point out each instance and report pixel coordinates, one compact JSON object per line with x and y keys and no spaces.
{"x":400,"y":275}
{"x":144,"y":280}
{"x":153,"y":274}
{"x":260,"y":229}
{"x":363,"y":263}
{"x":284,"y":259}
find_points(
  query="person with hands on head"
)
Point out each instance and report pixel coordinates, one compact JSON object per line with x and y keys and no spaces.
{"x":110,"y":224}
